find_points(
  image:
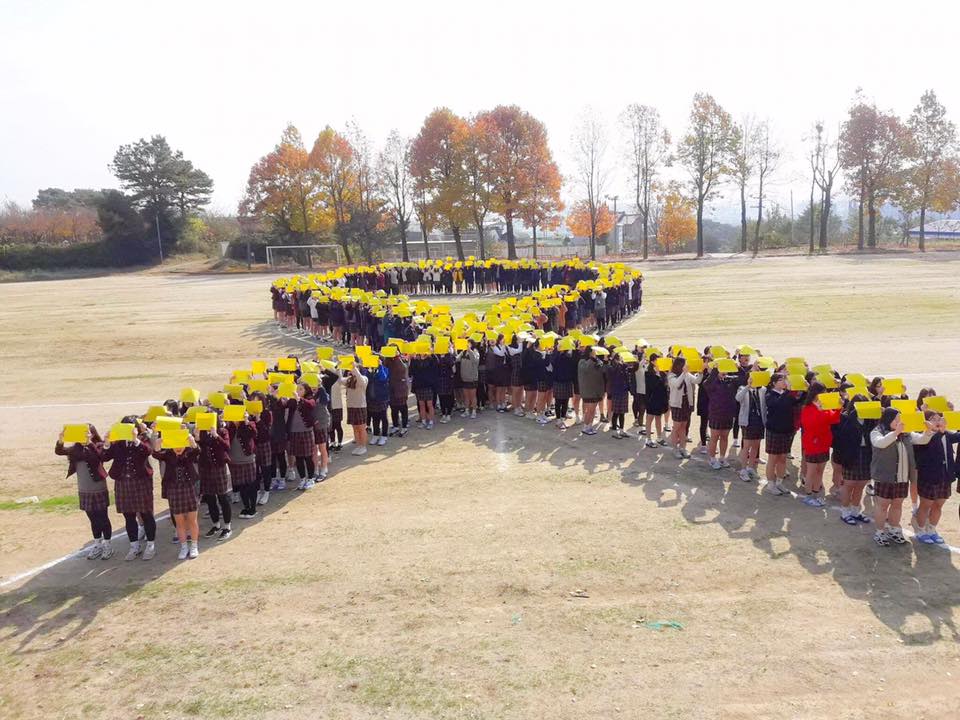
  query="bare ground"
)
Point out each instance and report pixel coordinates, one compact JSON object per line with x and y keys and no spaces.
{"x":441,"y":578}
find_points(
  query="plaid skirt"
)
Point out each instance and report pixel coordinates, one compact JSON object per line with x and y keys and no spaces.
{"x":544,"y":386}
{"x":243,"y":474}
{"x":682,"y":413}
{"x":182,"y":497}
{"x":336,"y":417}
{"x":95,"y":501}
{"x":375,"y":406}
{"x":778,"y":443}
{"x":319,"y":435}
{"x":891,"y":490}
{"x":398,"y":396}
{"x":562,"y":390}
{"x":720,"y":423}
{"x":264,"y":454}
{"x":936,"y":488}
{"x":213,"y":479}
{"x":301,"y":443}
{"x":856,"y":473}
{"x":278,"y":447}
{"x":424,"y":394}
{"x":619,"y":403}
{"x":530,"y":387}
{"x":467,"y":385}
{"x":816,"y":458}
{"x":516,"y":363}
{"x":134,"y":495}
{"x":358,"y":416}
{"x":752,"y":432}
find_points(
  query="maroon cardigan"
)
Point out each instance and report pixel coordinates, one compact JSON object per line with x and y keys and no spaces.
{"x":306,"y":407}
{"x":246,"y":433}
{"x":91,"y":453}
{"x":171,"y":460}
{"x":214,"y":448}
{"x":139,"y":455}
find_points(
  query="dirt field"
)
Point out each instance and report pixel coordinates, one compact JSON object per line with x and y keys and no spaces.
{"x":441,"y":578}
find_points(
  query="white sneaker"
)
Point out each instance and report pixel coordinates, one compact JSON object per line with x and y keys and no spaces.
{"x":443,"y":420}
{"x":95,"y":551}
{"x":473,"y":414}
{"x":782,"y":489}
{"x":259,"y":495}
{"x":382,"y":441}
{"x":308,"y":483}
{"x":133,"y":551}
{"x":702,"y":449}
{"x":359,"y":450}
{"x":149,"y":551}
{"x":736,"y":443}
{"x":678,"y":453}
{"x":373,"y":440}
{"x":107,"y":550}
{"x":264,"y":498}
{"x":724,"y":463}
{"x":291,"y":474}
{"x":194,"y":550}
{"x":465,"y":414}
{"x":184,"y":551}
{"x":773,"y":489}
{"x":715,"y":464}
{"x":745,"y":475}
{"x":301,"y":484}
{"x":282,"y":484}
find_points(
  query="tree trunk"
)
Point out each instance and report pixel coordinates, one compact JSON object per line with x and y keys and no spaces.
{"x":345,"y":245}
{"x":699,"y":227}
{"x":481,"y":250}
{"x":871,"y":222}
{"x":923,"y":219}
{"x":511,"y":245}
{"x":403,"y":242}
{"x":863,"y":193}
{"x":743,"y":218}
{"x":645,"y":236}
{"x":756,"y":230}
{"x":455,"y":229}
{"x":812,"y":218}
{"x":426,"y":245}
{"x":824,"y":218}
{"x":534,"y":242}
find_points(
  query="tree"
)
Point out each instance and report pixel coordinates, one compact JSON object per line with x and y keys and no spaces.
{"x":649,"y":144}
{"x":393,"y":173}
{"x":768,"y":155}
{"x":583,"y":220}
{"x":678,"y":222}
{"x":331,"y":162}
{"x":480,"y":174}
{"x":517,"y":144}
{"x":367,"y":215}
{"x":743,"y":152}
{"x":931,"y":143}
{"x":825,"y":170}
{"x":125,"y":232}
{"x":437,"y":165}
{"x":589,"y":148}
{"x":704,"y":151}
{"x":541,"y":207}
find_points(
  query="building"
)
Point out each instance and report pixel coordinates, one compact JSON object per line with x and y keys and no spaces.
{"x":938,"y":230}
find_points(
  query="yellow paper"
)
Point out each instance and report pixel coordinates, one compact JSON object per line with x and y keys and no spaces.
{"x":822,"y":369}
{"x":829,"y":401}
{"x":287,"y":390}
{"x":192,"y":412}
{"x":759,"y":379}
{"x":258,"y":367}
{"x":363,"y":350}
{"x":798,"y":383}
{"x":328,"y":365}
{"x":726,"y":365}
{"x":153,"y":413}
{"x":566,"y":343}
{"x":76,"y":434}
{"x":240,"y":376}
{"x":371,"y":361}
{"x":389,"y":351}
{"x":601,"y":351}
{"x":310,"y":379}
{"x":694,"y":363}
{"x":173,"y":439}
{"x":287,"y":364}
{"x":952,"y":418}
{"x":794,"y":368}
{"x":664,"y":364}
{"x":259,"y":385}
{"x":913,"y":421}
{"x":166,"y":423}
{"x":217,"y":400}
{"x":441,"y":346}
{"x":254,"y":407}
{"x":189,"y":395}
{"x":324,"y":353}
{"x":234,"y":391}
{"x":121,"y":431}
{"x":904,"y":406}
{"x":346,"y":362}
{"x":937,"y":403}
{"x":546,"y":343}
{"x":628,"y":357}
{"x":829,"y":381}
{"x":206,"y":421}
{"x":870,"y":410}
{"x":234,"y":413}
{"x":278,"y":378}
{"x":719,"y":351}
{"x":893,"y":386}
{"x":461,"y":344}
{"x":855,"y":379}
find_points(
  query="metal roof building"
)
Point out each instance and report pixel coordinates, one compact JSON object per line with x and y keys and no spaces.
{"x":938,"y":230}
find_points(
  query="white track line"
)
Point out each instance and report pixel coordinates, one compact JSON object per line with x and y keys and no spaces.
{"x":69,"y":405}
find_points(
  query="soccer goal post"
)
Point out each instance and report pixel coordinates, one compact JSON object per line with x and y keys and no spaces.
{"x":302,"y":255}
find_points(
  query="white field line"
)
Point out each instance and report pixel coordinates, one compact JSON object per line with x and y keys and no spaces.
{"x":69,"y":405}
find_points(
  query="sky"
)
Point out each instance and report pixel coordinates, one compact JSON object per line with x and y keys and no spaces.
{"x":222,"y":79}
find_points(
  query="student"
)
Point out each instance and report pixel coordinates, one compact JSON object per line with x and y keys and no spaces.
{"x":85,"y":459}
{"x":355,"y":384}
{"x":892,"y":465}
{"x":936,"y":470}
{"x":639,"y":389}
{"x":321,"y":433}
{"x":446,"y":368}
{"x":752,"y":419}
{"x":264,"y":451}
{"x":681,"y":384}
{"x":331,"y":383}
{"x":590,"y":374}
{"x":399,"y":375}
{"x":657,"y":401}
{"x":514,"y":353}
{"x":469,"y":360}
{"x":300,"y":424}
{"x":816,"y":439}
{"x":133,"y":487}
{"x":564,"y":364}
{"x":280,"y":409}
{"x":854,"y":451}
{"x":779,"y":431}
{"x":703,"y":402}
{"x":242,"y":459}
{"x":619,"y":395}
{"x":378,"y":397}
{"x":424,"y":372}
{"x":723,"y":409}
{"x":214,"y":484}
{"x":180,"y":478}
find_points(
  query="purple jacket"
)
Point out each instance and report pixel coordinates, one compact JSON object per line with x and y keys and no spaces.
{"x":723,"y":397}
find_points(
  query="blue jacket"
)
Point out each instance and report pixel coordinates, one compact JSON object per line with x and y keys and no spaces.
{"x":378,"y":385}
{"x":935,"y":464}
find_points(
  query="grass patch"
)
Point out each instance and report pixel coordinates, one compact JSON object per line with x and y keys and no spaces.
{"x":60,"y":503}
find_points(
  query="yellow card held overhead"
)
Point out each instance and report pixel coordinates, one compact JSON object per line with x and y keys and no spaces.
{"x":287,"y":390}
{"x":258,"y":367}
{"x":461,"y":344}
{"x":173,"y":439}
{"x":324,"y":353}
{"x":389,"y":351}
{"x":759,"y":379}
{"x":893,"y":386}
{"x":694,"y":363}
{"x":937,"y":403}
{"x":371,"y":362}
{"x":346,"y":362}
{"x":206,"y":421}
{"x":189,"y":395}
{"x":153,"y":413}
{"x":797,"y":383}
{"x":829,"y":401}
{"x":952,"y":418}
{"x":167,"y":423}
{"x":234,"y":413}
{"x":259,"y":385}
{"x":287,"y":364}
{"x":913,"y":421}
{"x":441,"y":346}
{"x":870,"y":410}
{"x":79,"y":433}
{"x":310,"y":379}
{"x":904,"y":406}
{"x":726,"y":365}
{"x":121,"y":431}
{"x":217,"y":400}
{"x":664,"y":364}
{"x":192,"y":412}
{"x":254,"y":407}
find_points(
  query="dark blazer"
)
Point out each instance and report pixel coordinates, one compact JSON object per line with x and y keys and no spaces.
{"x":246,"y":434}
{"x":91,"y":453}
{"x":214,"y":447}
{"x":171,"y":461}
{"x":306,"y":407}
{"x":932,"y":461}
{"x":122,"y":453}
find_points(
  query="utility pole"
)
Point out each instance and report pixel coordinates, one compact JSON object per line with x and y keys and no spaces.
{"x":791,"y":217}
{"x":156,"y":217}
{"x":616,"y":245}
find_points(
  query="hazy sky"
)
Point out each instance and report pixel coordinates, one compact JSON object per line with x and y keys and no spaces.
{"x":221,"y":79}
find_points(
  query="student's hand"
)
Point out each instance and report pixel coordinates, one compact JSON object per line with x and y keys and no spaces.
{"x":897,"y":425}
{"x":60,"y":437}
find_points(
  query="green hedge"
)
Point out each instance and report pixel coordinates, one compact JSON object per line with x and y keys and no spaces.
{"x":46,"y":257}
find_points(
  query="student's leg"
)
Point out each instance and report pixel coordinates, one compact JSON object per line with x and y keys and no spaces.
{"x":360,"y":434}
{"x":773,"y":462}
{"x":936,"y":511}
{"x":211,"y":503}
{"x":724,"y":442}
{"x":192,"y":525}
{"x":149,"y":525}
{"x":895,"y":513}
{"x":923,"y":512}
{"x":325,"y":455}
{"x":181,"y":520}
{"x":753,"y":457}
{"x":226,"y":508}
{"x":680,"y":429}
{"x":914,"y":496}
{"x":659,"y":422}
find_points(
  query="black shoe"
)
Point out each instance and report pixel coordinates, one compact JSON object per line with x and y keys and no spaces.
{"x":212,"y":531}
{"x":225,"y":534}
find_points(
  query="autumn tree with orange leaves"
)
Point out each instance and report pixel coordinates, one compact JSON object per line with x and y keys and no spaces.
{"x":677,"y":223}
{"x":581,"y":219}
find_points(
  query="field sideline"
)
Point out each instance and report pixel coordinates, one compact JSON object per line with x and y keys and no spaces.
{"x":494,"y":569}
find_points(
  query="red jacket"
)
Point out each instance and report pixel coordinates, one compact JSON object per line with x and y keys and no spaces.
{"x":815,"y":424}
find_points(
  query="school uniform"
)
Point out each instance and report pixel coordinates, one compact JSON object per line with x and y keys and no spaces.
{"x":357,"y":398}
{"x":817,"y":437}
{"x":780,"y":421}
{"x":425,"y":374}
{"x":86,"y":462}
{"x":564,"y":374}
{"x":264,"y":451}
{"x":852,"y":448}
{"x":132,"y":476}
{"x":280,"y":409}
{"x":681,"y":395}
{"x":180,"y":479}
{"x":212,"y":462}
{"x":619,"y":388}
{"x":936,"y":464}
{"x":241,"y":454}
{"x":590,"y":373}
{"x":752,"y":417}
{"x":723,"y":406}
{"x":300,"y":424}
{"x":893,"y":463}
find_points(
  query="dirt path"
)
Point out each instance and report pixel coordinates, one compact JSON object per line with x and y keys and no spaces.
{"x":440,"y":578}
